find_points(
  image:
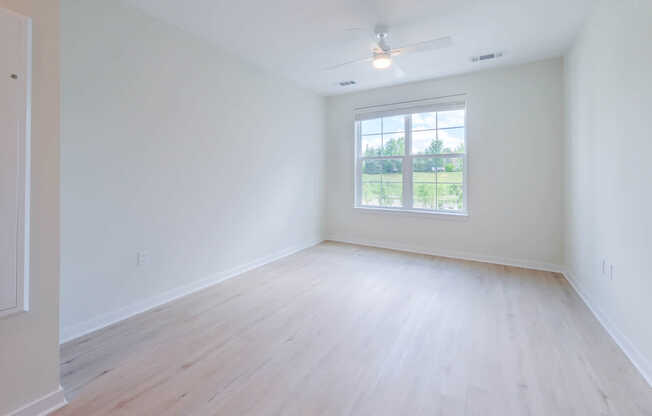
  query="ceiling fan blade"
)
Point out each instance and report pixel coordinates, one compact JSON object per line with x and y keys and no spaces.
{"x":425,"y":46}
{"x":398,"y":71}
{"x":357,"y":61}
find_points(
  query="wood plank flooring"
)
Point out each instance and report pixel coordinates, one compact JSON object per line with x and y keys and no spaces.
{"x":348,"y":330}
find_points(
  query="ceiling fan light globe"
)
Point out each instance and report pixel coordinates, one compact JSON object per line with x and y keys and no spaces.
{"x":382,"y":61}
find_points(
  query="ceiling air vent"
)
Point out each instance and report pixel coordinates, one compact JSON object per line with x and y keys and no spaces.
{"x":487,"y":57}
{"x":346,"y":83}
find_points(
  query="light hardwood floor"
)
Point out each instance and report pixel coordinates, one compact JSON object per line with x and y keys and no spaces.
{"x":340,"y":329}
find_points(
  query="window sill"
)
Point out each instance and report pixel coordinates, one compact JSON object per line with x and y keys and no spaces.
{"x":459,"y":216}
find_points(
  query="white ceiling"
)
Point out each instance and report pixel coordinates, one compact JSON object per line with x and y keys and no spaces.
{"x":297,"y":39}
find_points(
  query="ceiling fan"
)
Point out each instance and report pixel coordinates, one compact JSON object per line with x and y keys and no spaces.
{"x":382,"y":53}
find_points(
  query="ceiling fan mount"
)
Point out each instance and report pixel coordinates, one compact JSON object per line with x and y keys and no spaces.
{"x":382,"y":37}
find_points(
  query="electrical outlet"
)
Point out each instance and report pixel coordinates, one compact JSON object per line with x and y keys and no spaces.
{"x":143,"y":258}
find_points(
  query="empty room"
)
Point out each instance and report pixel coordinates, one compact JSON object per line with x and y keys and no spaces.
{"x":362,"y":207}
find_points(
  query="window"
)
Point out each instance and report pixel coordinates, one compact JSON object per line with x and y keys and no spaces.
{"x":414,"y":161}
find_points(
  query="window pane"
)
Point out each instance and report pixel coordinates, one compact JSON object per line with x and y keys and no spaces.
{"x":423,"y":182}
{"x":438,"y":183}
{"x":393,"y":144}
{"x":371,"y":145}
{"x":449,"y":197}
{"x":450,"y":184}
{"x":424,"y":121}
{"x":426,"y":143}
{"x":371,"y":126}
{"x":447,"y":119}
{"x":452,"y":140}
{"x":425,"y":168}
{"x":394,"y":124}
{"x":382,"y":183}
{"x":424,"y":194}
{"x":392,"y":193}
{"x":370,"y":194}
{"x":451,"y":170}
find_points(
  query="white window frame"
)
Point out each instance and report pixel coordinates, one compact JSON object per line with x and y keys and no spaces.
{"x":455,"y":102}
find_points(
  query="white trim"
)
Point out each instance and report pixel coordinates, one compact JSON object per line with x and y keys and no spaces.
{"x":28,"y":171}
{"x":640,"y":362}
{"x":414,"y":212}
{"x":417,"y":156}
{"x":504,"y":261}
{"x":413,"y":106}
{"x":357,"y":149}
{"x":71,"y":332}
{"x":467,"y":150}
{"x":42,"y":406}
{"x":24,"y":170}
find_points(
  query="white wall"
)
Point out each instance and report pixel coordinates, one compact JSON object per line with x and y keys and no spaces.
{"x":171,"y":145}
{"x":609,"y":141}
{"x":514,"y":139}
{"x":29,"y":347}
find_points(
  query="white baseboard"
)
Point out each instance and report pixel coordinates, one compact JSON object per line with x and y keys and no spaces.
{"x":526,"y":264}
{"x":642,"y":364}
{"x":42,"y":406}
{"x":71,"y":332}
